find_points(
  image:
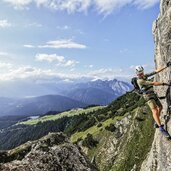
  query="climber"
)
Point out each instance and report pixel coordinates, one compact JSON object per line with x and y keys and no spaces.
{"x":146,"y":87}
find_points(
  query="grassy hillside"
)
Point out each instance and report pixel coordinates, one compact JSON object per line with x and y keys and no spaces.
{"x":70,"y":113}
{"x":95,"y":130}
{"x":122,"y":147}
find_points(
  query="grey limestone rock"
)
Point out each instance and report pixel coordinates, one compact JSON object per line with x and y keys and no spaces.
{"x":53,"y":152}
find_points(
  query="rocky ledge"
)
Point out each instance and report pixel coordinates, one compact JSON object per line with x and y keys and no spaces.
{"x":53,"y":152}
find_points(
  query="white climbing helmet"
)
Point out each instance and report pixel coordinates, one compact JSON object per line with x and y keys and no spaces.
{"x":139,"y":69}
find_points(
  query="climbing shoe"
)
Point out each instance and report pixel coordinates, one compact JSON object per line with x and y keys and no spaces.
{"x":164,"y":132}
{"x":155,"y":125}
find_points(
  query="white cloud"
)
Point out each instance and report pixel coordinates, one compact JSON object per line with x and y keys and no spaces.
{"x":4,"y":24}
{"x":29,"y":73}
{"x":66,"y":27}
{"x":6,"y":66}
{"x":50,"y":58}
{"x":29,"y":46}
{"x":108,"y":6}
{"x":71,"y":6}
{"x":72,"y":69}
{"x":20,"y":73}
{"x":59,"y":60}
{"x":88,"y":66}
{"x":144,"y":4}
{"x":33,"y":25}
{"x":108,"y":73}
{"x":6,"y":57}
{"x":70,"y":63}
{"x":4,"y":54}
{"x":18,"y":4}
{"x":58,"y":44}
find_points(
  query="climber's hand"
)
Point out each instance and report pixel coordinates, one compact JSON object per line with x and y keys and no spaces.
{"x":166,"y":84}
{"x":168,"y":64}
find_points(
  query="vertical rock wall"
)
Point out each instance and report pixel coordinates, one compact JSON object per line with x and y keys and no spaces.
{"x":159,"y":158}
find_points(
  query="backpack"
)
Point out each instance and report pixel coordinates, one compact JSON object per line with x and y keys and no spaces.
{"x":136,"y":86}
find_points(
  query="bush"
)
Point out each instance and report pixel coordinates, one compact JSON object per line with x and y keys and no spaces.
{"x":111,"y":128}
{"x":89,"y":141}
{"x":99,"y":125}
{"x":101,"y":117}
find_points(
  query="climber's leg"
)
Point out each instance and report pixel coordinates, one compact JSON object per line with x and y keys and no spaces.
{"x":155,"y":110}
{"x":159,"y":105}
{"x":156,"y":116}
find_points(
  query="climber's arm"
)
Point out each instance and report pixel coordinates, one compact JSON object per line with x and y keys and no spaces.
{"x":163,"y":68}
{"x":160,"y":69}
{"x":159,"y":84}
{"x":154,"y":83}
{"x":150,"y":74}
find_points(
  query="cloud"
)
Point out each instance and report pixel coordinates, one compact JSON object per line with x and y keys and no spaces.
{"x":144,"y":4}
{"x":29,"y":73}
{"x":33,"y":25}
{"x":22,"y":72}
{"x":50,"y":58}
{"x":53,"y":75}
{"x":59,"y":60}
{"x":88,"y":66}
{"x":5,"y":24}
{"x":108,"y":73}
{"x":58,"y":44}
{"x":6,"y":66}
{"x":4,"y":54}
{"x":108,"y":6}
{"x":6,"y":57}
{"x":66,"y":27}
{"x":70,"y":63}
{"x":29,"y":46}
{"x":102,"y":6}
{"x":19,"y":4}
{"x":125,"y":50}
{"x":10,"y":71}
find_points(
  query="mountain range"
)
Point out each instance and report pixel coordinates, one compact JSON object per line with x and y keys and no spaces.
{"x":37,"y":105}
{"x":98,"y":92}
{"x":67,"y":97}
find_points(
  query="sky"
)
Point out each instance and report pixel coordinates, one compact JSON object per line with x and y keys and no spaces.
{"x":51,"y":40}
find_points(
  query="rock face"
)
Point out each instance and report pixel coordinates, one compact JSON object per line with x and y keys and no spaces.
{"x":159,"y":158}
{"x":53,"y":152}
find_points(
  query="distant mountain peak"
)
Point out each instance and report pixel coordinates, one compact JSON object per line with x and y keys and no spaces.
{"x":100,"y":92}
